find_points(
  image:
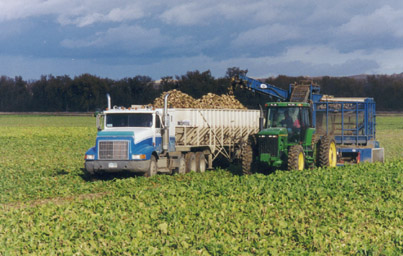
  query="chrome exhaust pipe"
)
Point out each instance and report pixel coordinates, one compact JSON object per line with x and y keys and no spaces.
{"x":109,"y":100}
{"x":165,"y":136}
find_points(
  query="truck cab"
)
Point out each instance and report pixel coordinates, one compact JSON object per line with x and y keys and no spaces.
{"x":127,"y":139}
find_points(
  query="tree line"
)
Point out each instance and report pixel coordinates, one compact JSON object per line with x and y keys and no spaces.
{"x":87,"y":92}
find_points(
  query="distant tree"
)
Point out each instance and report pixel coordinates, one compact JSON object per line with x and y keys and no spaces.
{"x":14,"y":94}
{"x":168,"y":83}
{"x":136,"y":90}
{"x":197,"y":84}
{"x":235,"y":71}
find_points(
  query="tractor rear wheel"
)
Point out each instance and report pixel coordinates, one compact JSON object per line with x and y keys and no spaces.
{"x":327,"y":152}
{"x":247,"y":156}
{"x":296,"y":158}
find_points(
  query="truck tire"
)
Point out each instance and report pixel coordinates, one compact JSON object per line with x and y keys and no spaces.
{"x":191,"y":165}
{"x":181,"y":169}
{"x":296,"y":158}
{"x":248,"y":154}
{"x":152,"y":170}
{"x":327,"y":152}
{"x":201,"y":162}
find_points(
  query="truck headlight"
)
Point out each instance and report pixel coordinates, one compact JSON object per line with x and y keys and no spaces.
{"x":89,"y":157}
{"x":139,"y":157}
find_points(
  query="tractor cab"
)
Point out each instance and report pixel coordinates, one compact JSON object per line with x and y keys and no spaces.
{"x":294,"y":118}
{"x":287,"y":124}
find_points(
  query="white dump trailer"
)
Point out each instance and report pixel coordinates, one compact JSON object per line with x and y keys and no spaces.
{"x":148,"y":140}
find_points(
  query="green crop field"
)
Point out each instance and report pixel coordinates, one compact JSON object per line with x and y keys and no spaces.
{"x":49,"y":206}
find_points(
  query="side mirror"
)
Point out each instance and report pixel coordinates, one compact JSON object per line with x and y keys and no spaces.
{"x":99,"y":120}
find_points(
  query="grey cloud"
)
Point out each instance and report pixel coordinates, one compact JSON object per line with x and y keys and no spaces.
{"x":266,"y":35}
{"x":384,"y":20}
{"x":133,"y":38}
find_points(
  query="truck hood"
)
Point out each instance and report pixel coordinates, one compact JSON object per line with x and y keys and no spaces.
{"x":138,"y":134}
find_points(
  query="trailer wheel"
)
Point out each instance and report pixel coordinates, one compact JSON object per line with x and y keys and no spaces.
{"x":201,"y":162}
{"x":247,"y":156}
{"x":153,"y":167}
{"x":327,"y":152}
{"x":191,"y":165}
{"x":296,"y":158}
{"x":181,"y":169}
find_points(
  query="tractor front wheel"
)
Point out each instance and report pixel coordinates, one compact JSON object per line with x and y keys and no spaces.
{"x":296,"y":158}
{"x":247,"y":156}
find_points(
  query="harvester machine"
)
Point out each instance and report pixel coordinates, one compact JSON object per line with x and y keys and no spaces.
{"x":304,"y":128}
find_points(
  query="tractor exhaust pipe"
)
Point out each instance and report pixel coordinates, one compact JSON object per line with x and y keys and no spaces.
{"x":165,"y":136}
{"x":109,"y":100}
{"x":261,"y":118}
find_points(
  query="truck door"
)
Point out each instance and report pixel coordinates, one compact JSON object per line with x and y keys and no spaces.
{"x":157,"y":138}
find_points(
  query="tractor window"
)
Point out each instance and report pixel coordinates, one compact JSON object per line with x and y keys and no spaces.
{"x":288,"y":117}
{"x":305,"y":119}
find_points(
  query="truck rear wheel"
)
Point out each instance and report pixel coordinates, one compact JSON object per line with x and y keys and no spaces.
{"x":247,"y":156}
{"x":191,"y":165}
{"x":296,"y":158}
{"x":201,"y":162}
{"x":152,"y":170}
{"x":181,"y":169}
{"x":327,"y":152}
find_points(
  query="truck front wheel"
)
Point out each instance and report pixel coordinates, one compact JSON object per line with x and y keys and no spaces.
{"x":296,"y":158}
{"x":152,"y":170}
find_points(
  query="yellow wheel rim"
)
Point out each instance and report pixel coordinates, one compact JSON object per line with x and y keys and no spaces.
{"x":332,"y":155}
{"x":301,"y":161}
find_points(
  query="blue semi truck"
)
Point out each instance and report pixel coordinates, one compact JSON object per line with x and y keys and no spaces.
{"x":148,"y":140}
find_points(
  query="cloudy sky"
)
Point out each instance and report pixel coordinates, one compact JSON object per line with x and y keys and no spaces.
{"x":125,"y":38}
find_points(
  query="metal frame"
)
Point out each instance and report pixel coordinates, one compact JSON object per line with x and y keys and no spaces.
{"x":349,"y":136}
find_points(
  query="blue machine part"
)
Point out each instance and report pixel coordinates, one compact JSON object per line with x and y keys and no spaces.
{"x":358,"y":155}
{"x":279,"y":93}
{"x":267,"y":89}
{"x":351,"y":122}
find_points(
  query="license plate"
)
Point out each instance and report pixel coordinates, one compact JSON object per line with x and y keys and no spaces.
{"x":113,"y":165}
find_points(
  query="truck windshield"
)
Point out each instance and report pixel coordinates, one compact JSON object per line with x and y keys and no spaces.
{"x":288,"y":117}
{"x":129,"y":120}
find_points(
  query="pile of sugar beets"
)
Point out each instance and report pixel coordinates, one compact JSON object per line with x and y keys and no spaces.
{"x":178,"y":99}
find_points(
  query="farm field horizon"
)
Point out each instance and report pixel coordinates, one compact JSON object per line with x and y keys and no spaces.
{"x":49,"y":205}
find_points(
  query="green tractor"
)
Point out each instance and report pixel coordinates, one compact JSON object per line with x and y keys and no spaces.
{"x":306,"y":129}
{"x":287,"y":140}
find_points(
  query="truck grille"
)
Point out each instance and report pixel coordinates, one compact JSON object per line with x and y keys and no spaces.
{"x":268,"y":145}
{"x":113,"y":150}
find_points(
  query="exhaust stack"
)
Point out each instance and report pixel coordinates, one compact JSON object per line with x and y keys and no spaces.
{"x":165,"y":135}
{"x":109,"y":100}
{"x":261,"y":118}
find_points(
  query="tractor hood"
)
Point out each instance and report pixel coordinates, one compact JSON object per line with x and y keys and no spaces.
{"x":280,"y":131}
